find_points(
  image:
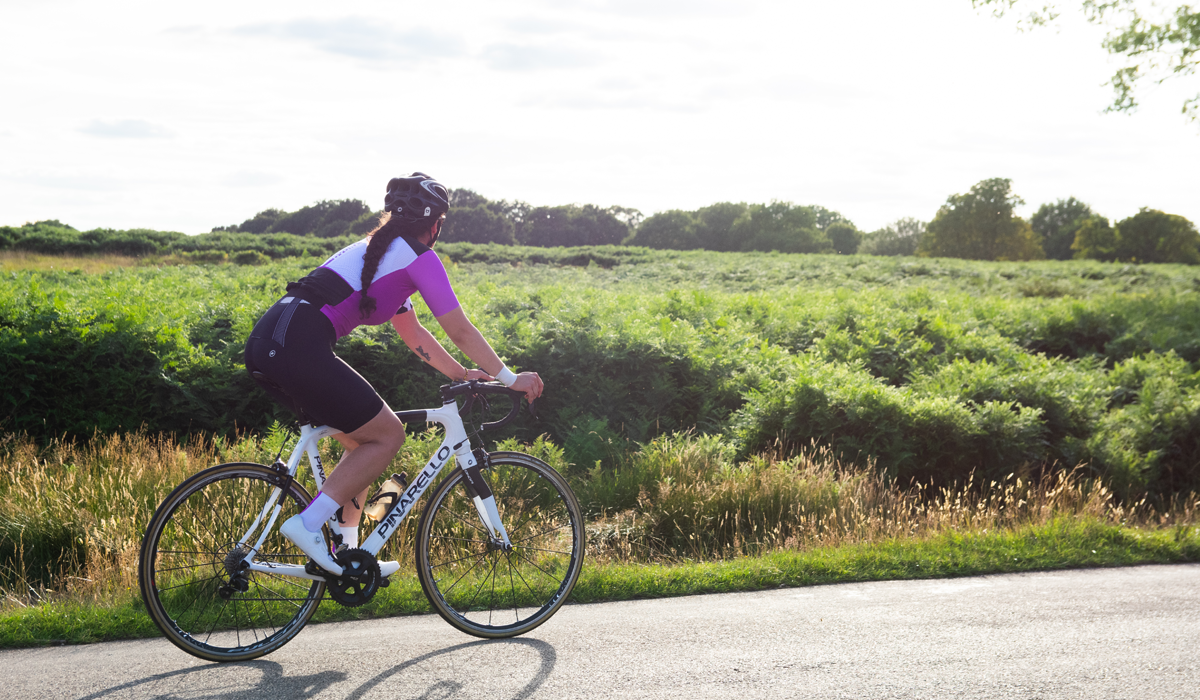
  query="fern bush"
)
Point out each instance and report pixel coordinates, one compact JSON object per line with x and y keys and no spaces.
{"x":927,"y":369}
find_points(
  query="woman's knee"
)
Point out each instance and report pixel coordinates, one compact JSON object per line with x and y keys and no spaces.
{"x":384,"y":430}
{"x":398,"y":437}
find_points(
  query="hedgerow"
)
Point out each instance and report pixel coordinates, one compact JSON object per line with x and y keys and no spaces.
{"x":927,"y":369}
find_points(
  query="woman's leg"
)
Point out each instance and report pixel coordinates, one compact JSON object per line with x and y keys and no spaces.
{"x":377,"y":443}
{"x":369,"y":451}
{"x":352,"y":511}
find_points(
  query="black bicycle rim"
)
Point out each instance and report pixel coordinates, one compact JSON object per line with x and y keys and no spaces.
{"x":189,"y":569}
{"x":482,"y":588}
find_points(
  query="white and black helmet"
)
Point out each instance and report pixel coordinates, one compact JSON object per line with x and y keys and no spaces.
{"x":416,"y":198}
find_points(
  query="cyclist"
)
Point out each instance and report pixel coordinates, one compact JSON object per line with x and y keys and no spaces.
{"x":290,"y":351}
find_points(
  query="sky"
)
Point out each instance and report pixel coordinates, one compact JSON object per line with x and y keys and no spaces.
{"x":183,"y":117}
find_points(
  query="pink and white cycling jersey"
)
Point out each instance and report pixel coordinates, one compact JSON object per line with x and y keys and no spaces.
{"x":406,"y":267}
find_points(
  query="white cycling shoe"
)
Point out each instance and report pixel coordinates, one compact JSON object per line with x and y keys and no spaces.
{"x":387,"y":568}
{"x":311,"y":543}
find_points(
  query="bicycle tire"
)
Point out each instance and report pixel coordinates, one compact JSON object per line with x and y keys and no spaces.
{"x":185,"y":560}
{"x":481,"y":589}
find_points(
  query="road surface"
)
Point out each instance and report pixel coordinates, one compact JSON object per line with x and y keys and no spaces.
{"x":1100,"y":633}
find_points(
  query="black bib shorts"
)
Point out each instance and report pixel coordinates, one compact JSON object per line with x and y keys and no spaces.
{"x":292,"y":345}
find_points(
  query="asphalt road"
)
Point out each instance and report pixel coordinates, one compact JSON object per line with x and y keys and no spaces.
{"x":1111,"y":633}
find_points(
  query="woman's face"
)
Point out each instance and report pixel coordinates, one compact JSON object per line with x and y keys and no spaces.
{"x":436,"y":230}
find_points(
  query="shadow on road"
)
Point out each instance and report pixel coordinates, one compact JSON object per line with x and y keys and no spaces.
{"x":229,"y":681}
{"x":216,"y":681}
{"x":448,"y":689}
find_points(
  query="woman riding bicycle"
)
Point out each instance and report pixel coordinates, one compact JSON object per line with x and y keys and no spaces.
{"x":290,"y":351}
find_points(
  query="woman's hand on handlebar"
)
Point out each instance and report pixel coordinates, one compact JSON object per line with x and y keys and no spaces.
{"x":479,"y":375}
{"x":530,"y":383}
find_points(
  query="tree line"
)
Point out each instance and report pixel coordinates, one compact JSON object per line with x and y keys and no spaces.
{"x":980,"y":224}
{"x":725,"y":226}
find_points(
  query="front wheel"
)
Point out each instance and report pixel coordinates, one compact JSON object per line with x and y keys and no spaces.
{"x":193,"y":582}
{"x":483,"y":587}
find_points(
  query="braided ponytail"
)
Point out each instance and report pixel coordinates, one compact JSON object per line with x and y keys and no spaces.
{"x":391,"y":228}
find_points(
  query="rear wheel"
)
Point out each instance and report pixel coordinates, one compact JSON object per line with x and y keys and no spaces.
{"x":191,"y":574}
{"x":482,"y":587}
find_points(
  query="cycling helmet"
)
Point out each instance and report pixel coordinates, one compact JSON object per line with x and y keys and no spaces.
{"x":416,"y":198}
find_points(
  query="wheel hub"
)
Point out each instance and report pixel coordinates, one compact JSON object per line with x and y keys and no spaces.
{"x":235,"y":567}
{"x":235,"y":560}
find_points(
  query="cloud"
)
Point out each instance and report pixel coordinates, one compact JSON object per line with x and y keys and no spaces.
{"x":362,"y":38}
{"x":671,"y":9}
{"x":68,"y":181}
{"x":541,"y":25}
{"x":251,"y":178}
{"x":592,"y":102}
{"x":125,"y":129}
{"x":513,"y":57}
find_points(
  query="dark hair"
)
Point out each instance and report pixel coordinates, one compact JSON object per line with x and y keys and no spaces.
{"x":390,"y":228}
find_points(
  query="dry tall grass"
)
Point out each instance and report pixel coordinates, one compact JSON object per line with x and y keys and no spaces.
{"x":11,"y":260}
{"x":690,"y":500}
{"x":72,"y":513}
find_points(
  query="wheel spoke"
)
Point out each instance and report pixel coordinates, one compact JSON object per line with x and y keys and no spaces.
{"x":173,"y":551}
{"x":189,"y":583}
{"x":197,"y":565}
{"x":457,"y":539}
{"x":464,"y":574}
{"x":482,"y":583}
{"x":512,"y":587}
{"x":465,"y":520}
{"x":288,"y":581}
{"x":546,"y":532}
{"x":455,"y":561}
{"x":566,"y":553}
{"x":527,"y":586}
{"x":534,"y":565}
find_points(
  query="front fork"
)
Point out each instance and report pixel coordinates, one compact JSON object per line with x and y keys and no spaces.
{"x":472,"y":463}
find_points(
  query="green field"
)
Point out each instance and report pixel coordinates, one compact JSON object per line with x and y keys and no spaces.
{"x":926,"y":368}
{"x":709,"y":408}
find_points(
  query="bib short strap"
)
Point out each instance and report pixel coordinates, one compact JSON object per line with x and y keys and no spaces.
{"x":285,"y":318}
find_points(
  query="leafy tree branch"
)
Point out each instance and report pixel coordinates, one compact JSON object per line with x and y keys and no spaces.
{"x":1155,"y":49}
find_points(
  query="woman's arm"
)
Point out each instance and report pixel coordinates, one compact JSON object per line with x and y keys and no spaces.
{"x":421,"y":341}
{"x":467,"y":338}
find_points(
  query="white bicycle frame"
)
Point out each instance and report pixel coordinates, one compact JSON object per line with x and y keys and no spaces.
{"x":456,"y":443}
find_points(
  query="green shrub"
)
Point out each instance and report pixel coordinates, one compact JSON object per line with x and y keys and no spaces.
{"x":1069,"y":397}
{"x":251,"y":257}
{"x":1151,"y":441}
{"x":931,"y":368}
{"x":931,"y":439}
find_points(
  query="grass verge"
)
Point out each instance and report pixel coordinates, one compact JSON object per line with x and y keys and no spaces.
{"x":1058,"y":544}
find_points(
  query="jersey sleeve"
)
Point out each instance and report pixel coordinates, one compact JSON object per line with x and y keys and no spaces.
{"x":429,"y":276}
{"x":405,"y":307}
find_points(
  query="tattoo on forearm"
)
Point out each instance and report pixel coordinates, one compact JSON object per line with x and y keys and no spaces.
{"x":422,"y":353}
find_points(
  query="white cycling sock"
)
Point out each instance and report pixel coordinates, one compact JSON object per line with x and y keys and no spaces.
{"x":317,"y":512}
{"x":349,"y":535}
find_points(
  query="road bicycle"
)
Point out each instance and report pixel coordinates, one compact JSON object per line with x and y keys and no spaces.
{"x":498,"y":547}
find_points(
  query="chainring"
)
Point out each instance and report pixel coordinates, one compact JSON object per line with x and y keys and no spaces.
{"x":359,"y":580}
